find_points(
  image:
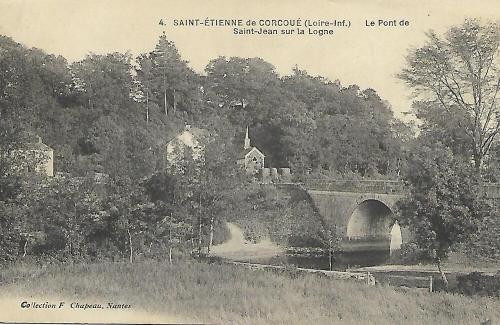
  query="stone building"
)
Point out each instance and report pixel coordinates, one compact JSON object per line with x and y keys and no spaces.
{"x":37,"y":152}
{"x":190,"y":138}
{"x":251,"y":158}
{"x":46,"y":165}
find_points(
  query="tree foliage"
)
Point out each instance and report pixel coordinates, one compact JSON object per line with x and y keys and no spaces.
{"x":458,"y":74}
{"x":444,"y":207}
{"x":108,"y":118}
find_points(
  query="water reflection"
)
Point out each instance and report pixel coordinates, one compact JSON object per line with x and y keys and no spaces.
{"x":341,"y":260}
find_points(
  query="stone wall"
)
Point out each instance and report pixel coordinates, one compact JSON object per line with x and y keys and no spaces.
{"x":337,"y":207}
{"x":275,"y":175}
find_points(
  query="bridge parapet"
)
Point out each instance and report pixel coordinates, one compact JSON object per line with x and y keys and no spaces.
{"x":488,"y":190}
{"x":367,"y":238}
{"x":491,"y":190}
{"x":357,"y":186}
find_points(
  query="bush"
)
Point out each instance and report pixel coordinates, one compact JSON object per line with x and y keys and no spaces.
{"x":9,"y":245}
{"x":410,"y":253}
{"x":221,"y":233}
{"x":486,"y":242}
{"x":210,"y":259}
{"x":479,"y":284}
{"x":438,"y":285}
{"x":290,"y":271}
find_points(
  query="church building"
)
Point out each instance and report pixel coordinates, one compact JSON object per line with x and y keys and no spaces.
{"x":251,"y":158}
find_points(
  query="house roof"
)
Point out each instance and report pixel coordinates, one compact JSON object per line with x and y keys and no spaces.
{"x":197,"y":132}
{"x":245,"y":152}
{"x":37,"y":146}
{"x":188,"y":136}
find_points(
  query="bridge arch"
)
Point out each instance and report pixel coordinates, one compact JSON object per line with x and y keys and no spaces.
{"x":351,"y":212}
{"x":373,"y":219}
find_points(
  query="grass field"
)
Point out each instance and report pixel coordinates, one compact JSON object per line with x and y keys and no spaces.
{"x":225,"y":294}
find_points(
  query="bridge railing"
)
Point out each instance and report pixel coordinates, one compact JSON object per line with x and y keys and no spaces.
{"x":369,"y":186}
{"x":488,"y":190}
{"x":491,"y":190}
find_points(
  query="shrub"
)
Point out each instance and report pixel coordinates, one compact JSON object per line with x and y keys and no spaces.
{"x":290,"y":271}
{"x":438,"y":285}
{"x":221,"y":233}
{"x":210,"y":259}
{"x":479,"y":284}
{"x":486,"y":242}
{"x":410,"y":253}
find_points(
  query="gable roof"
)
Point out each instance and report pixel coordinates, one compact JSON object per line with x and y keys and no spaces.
{"x":247,"y":151}
{"x":187,"y":136}
{"x":37,"y":146}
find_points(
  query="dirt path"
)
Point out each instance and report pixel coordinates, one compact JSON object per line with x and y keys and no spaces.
{"x":237,"y":248}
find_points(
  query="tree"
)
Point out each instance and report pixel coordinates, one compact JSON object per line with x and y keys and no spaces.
{"x":485,"y":242}
{"x":248,"y":92}
{"x":113,"y":136}
{"x":331,"y":240}
{"x":443,"y":207}
{"x":338,"y":129}
{"x":145,"y":77}
{"x":167,"y":78}
{"x":221,"y":179}
{"x":459,"y":73}
{"x":21,"y":95}
{"x":169,"y":213}
{"x":128,"y":209}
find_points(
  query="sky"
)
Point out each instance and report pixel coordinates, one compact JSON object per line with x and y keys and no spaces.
{"x":367,"y":56}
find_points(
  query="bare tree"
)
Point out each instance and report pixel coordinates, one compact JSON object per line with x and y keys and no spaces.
{"x":460,"y":73}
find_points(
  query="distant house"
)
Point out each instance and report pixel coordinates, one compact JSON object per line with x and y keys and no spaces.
{"x":251,"y":158}
{"x":189,"y":139}
{"x":39,"y":152}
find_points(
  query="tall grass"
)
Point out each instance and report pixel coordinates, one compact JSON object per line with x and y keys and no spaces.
{"x":230,"y":294}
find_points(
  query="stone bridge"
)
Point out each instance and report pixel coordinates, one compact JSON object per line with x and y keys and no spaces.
{"x":363,"y":220}
{"x":357,"y":214}
{"x":362,"y":211}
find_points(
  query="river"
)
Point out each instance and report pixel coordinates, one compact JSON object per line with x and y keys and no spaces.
{"x":341,"y":261}
{"x":266,"y":252}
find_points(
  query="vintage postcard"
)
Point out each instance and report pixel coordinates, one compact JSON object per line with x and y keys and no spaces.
{"x":262,"y":162}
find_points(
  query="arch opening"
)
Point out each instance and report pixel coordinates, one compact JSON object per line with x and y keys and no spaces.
{"x":371,"y":219}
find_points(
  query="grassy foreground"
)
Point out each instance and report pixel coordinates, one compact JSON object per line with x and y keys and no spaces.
{"x":226,"y":294}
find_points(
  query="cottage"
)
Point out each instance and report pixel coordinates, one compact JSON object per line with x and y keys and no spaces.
{"x":189,"y":139}
{"x":37,"y":152}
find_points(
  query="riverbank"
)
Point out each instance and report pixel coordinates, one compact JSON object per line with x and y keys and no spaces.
{"x":428,"y":268}
{"x":237,"y":248}
{"x":267,"y":252}
{"x":191,"y":291}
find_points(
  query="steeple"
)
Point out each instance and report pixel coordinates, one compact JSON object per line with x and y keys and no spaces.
{"x":247,"y":140}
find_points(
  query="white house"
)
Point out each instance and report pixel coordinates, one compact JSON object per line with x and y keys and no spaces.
{"x":189,"y":139}
{"x":39,"y":153}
